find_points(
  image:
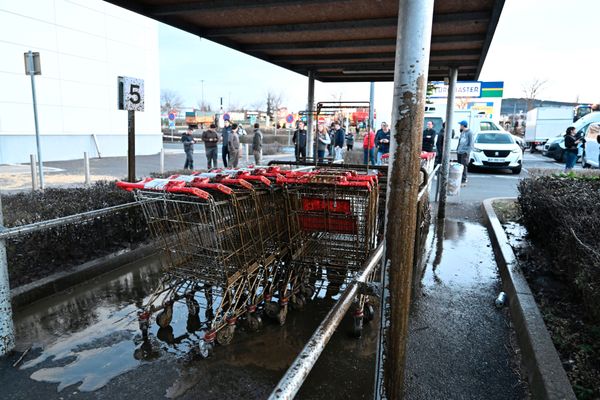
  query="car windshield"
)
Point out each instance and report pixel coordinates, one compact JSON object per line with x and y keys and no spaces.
{"x":495,"y":138}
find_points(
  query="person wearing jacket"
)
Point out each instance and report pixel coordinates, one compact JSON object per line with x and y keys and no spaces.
{"x":299,"y":140}
{"x":257,"y":144}
{"x":382,"y":141}
{"x":233,"y":146}
{"x":225,"y":135}
{"x":369,"y":148}
{"x":429,"y":135}
{"x":349,"y":141}
{"x":323,"y":141}
{"x":571,"y":149}
{"x":210,"y":137}
{"x":465,"y":145}
{"x":188,"y":146}
{"x":338,"y":142}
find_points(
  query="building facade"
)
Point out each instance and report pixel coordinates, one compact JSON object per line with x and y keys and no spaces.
{"x":84,"y":46}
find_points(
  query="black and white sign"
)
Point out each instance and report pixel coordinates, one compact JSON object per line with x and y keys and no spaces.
{"x":131,"y":93}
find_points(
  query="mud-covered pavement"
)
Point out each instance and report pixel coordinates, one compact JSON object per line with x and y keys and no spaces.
{"x":86,"y":344}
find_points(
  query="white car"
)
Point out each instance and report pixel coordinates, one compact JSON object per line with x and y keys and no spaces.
{"x":496,"y":150}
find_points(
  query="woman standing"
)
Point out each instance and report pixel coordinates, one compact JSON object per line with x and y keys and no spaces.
{"x":570,"y":148}
{"x":322,"y":141}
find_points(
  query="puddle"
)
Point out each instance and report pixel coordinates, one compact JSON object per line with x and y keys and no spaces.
{"x":461,"y":255}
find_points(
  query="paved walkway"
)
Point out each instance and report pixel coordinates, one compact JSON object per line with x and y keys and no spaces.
{"x":71,"y":172}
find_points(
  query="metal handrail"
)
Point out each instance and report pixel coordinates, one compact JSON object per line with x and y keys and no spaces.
{"x":297,"y":373}
{"x":9,"y":233}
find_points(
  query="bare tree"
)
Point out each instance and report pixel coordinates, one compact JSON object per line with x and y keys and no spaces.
{"x":257,"y":105}
{"x":531,"y":90}
{"x":204,"y":105}
{"x":274,"y":101}
{"x":170,"y":100}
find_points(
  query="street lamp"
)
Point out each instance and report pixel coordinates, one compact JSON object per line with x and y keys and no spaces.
{"x":33,"y":67}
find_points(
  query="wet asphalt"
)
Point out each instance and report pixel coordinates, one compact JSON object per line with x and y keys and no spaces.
{"x":85,"y":343}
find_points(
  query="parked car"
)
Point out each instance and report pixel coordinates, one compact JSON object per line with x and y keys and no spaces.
{"x":496,"y":150}
{"x":591,"y":148}
{"x":555,"y":148}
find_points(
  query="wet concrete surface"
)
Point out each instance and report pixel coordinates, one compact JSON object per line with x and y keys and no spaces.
{"x":459,"y":343}
{"x":86,"y":344}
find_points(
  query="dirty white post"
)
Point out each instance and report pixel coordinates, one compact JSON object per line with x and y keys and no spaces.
{"x":445,"y":167}
{"x":86,"y":168}
{"x":7,"y":335}
{"x":34,"y":177}
{"x":162,"y":160}
{"x":415,"y":19}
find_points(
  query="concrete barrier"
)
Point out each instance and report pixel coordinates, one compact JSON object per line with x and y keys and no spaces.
{"x":545,"y":373}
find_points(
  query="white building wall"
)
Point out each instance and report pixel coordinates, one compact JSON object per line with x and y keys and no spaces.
{"x":84,"y":46}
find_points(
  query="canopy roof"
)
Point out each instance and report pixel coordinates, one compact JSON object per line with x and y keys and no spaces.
{"x":339,"y":40}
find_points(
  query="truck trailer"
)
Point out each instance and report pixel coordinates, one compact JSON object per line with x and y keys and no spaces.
{"x":544,"y":123}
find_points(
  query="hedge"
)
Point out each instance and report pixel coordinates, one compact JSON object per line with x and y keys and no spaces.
{"x":562,"y":216}
{"x":39,"y":254}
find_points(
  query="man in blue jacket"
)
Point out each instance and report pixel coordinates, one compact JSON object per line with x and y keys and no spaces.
{"x":338,"y":142}
{"x":382,"y":141}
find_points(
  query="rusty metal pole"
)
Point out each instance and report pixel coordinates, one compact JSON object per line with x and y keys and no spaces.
{"x":131,"y":146}
{"x":311,"y":148}
{"x":445,"y":168}
{"x":7,"y":334}
{"x":410,"y":85}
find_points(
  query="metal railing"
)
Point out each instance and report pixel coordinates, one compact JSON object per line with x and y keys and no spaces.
{"x":296,"y":374}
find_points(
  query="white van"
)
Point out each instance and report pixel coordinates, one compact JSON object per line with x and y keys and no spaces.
{"x":591,"y":147}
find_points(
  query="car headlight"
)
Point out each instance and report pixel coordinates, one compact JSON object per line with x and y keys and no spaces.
{"x":476,"y":150}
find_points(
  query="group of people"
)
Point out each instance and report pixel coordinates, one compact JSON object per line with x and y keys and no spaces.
{"x":230,"y":149}
{"x":330,"y":141}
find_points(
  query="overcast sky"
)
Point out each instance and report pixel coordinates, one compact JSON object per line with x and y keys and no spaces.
{"x":552,"y":40}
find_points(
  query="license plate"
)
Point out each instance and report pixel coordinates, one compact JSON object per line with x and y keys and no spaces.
{"x":495,"y":159}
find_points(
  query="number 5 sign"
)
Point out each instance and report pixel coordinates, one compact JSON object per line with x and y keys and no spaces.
{"x":131,"y":93}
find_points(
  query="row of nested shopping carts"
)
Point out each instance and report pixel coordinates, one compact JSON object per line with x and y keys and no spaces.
{"x":245,"y":243}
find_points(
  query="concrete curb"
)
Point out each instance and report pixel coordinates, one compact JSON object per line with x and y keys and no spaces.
{"x":27,"y":294}
{"x":546,"y":375}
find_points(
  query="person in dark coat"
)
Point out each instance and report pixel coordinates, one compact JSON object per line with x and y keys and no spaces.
{"x":429,"y":135}
{"x":299,"y":140}
{"x":382,"y":141}
{"x":225,"y":132}
{"x":188,"y":146}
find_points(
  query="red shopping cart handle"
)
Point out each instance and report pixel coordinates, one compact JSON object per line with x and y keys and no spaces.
{"x":426,"y":155}
{"x":163,"y":185}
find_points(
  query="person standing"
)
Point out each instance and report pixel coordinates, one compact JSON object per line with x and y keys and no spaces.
{"x":233,"y":146}
{"x":323,"y":141}
{"x":257,"y":144}
{"x":571,"y":149}
{"x":429,"y":135}
{"x":338,"y":143}
{"x":210,"y":137}
{"x":225,"y":132}
{"x":299,"y":140}
{"x":349,"y":140}
{"x":382,"y":141}
{"x":188,"y":146}
{"x":465,"y":145}
{"x":369,"y":148}
{"x":439,"y":145}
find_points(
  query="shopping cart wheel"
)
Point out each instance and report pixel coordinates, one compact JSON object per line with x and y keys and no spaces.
{"x":254,"y":322}
{"x":369,"y":312}
{"x":297,"y":301}
{"x":163,"y":319}
{"x":281,"y":317}
{"x":272,"y":309}
{"x":205,"y":349}
{"x":307,"y":291}
{"x":357,"y":326}
{"x":225,"y":335}
{"x":192,"y":305}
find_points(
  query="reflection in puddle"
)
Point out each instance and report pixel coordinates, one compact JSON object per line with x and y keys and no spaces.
{"x":87,"y":335}
{"x":459,"y":254}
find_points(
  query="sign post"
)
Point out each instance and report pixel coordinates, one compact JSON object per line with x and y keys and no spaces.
{"x":32,"y":68}
{"x":131,"y":98}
